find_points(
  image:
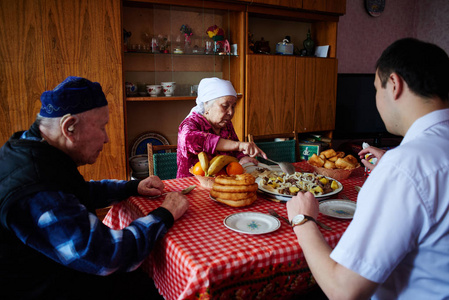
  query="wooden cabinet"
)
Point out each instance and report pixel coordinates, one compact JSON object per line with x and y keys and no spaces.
{"x":331,"y":6}
{"x":315,"y":94}
{"x":290,"y":93}
{"x":270,"y":94}
{"x":185,"y":60}
{"x":322,"y":6}
{"x":286,"y":3}
{"x":48,"y":40}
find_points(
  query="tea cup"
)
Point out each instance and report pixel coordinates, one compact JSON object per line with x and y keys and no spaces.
{"x":131,"y":89}
{"x":168,"y":88}
{"x":154,"y":89}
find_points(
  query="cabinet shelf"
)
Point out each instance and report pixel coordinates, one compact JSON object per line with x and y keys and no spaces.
{"x":182,"y":54}
{"x":145,"y":99}
{"x":173,"y":98}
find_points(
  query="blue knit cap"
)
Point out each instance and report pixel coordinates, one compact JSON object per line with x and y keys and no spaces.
{"x":72,"y":96}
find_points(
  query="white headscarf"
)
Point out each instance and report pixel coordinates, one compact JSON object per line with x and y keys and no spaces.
{"x":210,"y":89}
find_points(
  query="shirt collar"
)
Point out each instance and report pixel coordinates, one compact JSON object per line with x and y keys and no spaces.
{"x":425,"y":122}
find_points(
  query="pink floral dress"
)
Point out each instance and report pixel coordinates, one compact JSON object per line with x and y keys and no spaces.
{"x":195,"y":134}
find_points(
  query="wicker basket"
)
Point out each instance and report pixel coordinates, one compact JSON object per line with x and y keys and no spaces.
{"x":205,"y":181}
{"x":337,"y":174}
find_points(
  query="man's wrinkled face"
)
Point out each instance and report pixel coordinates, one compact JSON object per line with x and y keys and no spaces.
{"x":91,"y":136}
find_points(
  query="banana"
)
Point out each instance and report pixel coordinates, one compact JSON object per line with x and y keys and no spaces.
{"x":219,"y":163}
{"x":204,"y":161}
{"x":213,"y":159}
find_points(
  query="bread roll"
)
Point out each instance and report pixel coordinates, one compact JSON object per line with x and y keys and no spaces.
{"x":316,"y":161}
{"x":328,"y":153}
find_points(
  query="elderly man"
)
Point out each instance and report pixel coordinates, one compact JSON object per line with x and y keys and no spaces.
{"x":52,"y":244}
{"x":396,"y":247}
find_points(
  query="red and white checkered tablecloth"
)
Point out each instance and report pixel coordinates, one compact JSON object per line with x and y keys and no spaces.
{"x":201,"y":258}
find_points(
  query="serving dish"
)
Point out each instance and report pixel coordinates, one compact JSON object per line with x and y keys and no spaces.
{"x":284,"y":197}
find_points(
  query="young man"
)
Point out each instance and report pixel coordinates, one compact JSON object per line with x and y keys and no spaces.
{"x":396,"y":247}
{"x":52,"y":244}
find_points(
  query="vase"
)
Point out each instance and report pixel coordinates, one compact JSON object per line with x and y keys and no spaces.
{"x":187,"y":44}
{"x":309,"y":45}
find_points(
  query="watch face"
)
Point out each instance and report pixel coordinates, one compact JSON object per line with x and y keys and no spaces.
{"x":298,"y":219}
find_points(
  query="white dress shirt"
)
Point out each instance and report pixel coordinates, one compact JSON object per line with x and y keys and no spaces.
{"x":399,"y":236}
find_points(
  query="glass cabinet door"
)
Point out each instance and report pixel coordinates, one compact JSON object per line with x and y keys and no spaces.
{"x":174,"y":44}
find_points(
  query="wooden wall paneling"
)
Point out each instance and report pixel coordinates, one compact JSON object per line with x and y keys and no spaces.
{"x":22,"y":75}
{"x":316,"y":85}
{"x":84,"y":38}
{"x":270,"y":94}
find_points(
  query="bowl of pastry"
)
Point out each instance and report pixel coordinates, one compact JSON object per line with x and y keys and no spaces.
{"x":334,"y":164}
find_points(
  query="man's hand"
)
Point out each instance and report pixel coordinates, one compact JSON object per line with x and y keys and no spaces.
{"x":151,"y":186}
{"x":376,"y":153}
{"x":176,"y":203}
{"x":305,"y":204}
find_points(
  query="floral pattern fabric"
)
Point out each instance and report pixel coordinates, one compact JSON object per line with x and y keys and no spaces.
{"x":195,"y":135}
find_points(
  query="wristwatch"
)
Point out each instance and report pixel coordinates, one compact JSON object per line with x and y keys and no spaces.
{"x":301,"y":219}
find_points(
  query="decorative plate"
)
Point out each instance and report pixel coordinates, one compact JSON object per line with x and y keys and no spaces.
{"x":252,"y":223}
{"x":337,"y":208}
{"x":375,"y":7}
{"x":140,"y":143}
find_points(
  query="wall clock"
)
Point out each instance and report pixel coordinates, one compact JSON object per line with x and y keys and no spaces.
{"x":375,"y":7}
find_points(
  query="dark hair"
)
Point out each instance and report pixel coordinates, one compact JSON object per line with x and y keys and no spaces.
{"x":423,"y":66}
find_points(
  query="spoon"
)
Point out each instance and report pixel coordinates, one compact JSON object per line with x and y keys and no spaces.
{"x":286,"y":167}
{"x":275,"y":214}
{"x":184,"y":191}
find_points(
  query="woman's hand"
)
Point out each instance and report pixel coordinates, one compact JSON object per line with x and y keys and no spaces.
{"x":376,"y":153}
{"x":251,"y":149}
{"x":150,"y":186}
{"x":248,"y":159}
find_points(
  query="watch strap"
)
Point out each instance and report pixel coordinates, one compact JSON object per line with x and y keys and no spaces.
{"x":306,"y":218}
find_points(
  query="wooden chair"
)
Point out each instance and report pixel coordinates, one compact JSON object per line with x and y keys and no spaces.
{"x":162,"y":164}
{"x":280,"y":151}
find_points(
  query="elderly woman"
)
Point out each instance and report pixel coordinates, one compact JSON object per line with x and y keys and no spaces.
{"x":208,"y":128}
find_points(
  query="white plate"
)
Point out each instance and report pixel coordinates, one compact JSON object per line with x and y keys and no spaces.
{"x":252,"y":223}
{"x":250,"y":167}
{"x":338,"y":208}
{"x":287,"y":197}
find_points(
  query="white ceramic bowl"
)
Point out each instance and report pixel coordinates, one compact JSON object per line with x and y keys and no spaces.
{"x":139,"y":163}
{"x":168,"y":88}
{"x":154,"y":89}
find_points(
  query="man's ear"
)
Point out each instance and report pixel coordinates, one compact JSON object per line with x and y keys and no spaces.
{"x":68,"y":126}
{"x":397,"y":85}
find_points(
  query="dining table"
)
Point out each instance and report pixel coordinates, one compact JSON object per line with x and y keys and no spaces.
{"x":202,"y":258}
